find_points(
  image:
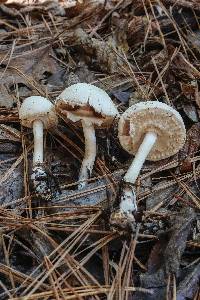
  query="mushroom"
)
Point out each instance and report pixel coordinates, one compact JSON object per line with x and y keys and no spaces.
{"x":150,"y":130}
{"x":93,"y":108}
{"x":38,"y":113}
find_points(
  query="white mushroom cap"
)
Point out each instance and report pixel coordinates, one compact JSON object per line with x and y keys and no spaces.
{"x":83,"y":101}
{"x":37,"y":108}
{"x":156,"y":117}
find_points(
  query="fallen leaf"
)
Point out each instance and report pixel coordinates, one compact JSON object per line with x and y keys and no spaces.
{"x":190,"y":284}
{"x":193,"y":4}
{"x":183,"y":65}
{"x":9,"y":133}
{"x":191,"y":112}
{"x":6,"y":100}
{"x":169,"y":255}
{"x":189,"y":89}
{"x":161,"y":192}
{"x":28,"y":69}
{"x":181,"y":225}
{"x":35,"y":63}
{"x":190,"y":148}
{"x":121,"y":96}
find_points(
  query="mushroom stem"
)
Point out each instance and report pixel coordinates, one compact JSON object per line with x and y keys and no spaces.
{"x":38,"y":142}
{"x":90,"y":154}
{"x":39,"y":175}
{"x":142,"y":153}
{"x":128,"y":202}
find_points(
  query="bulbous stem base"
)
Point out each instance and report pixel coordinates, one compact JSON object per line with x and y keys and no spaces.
{"x":40,"y":181}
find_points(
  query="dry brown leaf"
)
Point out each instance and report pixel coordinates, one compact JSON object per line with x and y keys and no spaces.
{"x":193,"y":4}
{"x":6,"y":100}
{"x":189,"y":90}
{"x":28,"y":69}
{"x":190,"y":148}
{"x":34,"y":63}
{"x":166,"y":255}
{"x":9,"y":133}
{"x":185,"y":66}
{"x":137,"y":29}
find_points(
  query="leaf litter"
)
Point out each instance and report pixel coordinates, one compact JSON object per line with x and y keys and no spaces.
{"x":136,"y":51}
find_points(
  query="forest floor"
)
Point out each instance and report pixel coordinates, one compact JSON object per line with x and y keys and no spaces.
{"x":64,"y":247}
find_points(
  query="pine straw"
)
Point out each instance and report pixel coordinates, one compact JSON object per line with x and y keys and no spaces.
{"x":80,"y":234}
